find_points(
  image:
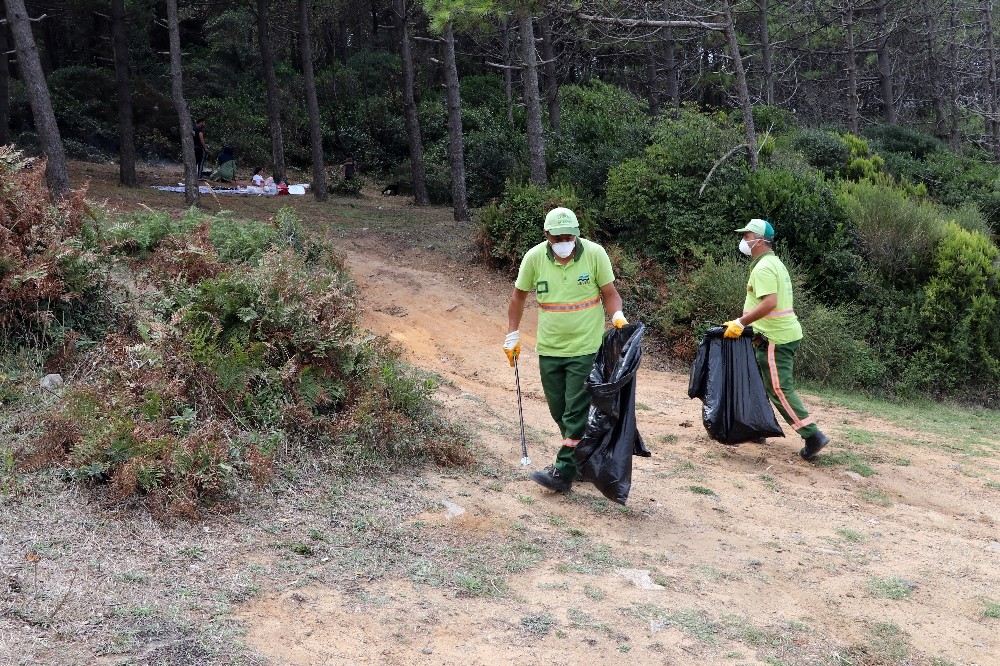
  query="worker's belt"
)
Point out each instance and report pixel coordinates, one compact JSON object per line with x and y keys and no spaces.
{"x":571,"y":307}
{"x":774,"y":314}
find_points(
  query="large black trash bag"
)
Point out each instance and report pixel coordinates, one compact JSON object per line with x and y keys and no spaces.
{"x":726,"y":378}
{"x":604,"y":455}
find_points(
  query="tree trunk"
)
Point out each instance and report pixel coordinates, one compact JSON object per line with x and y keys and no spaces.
{"x":551,"y":75}
{"x":273,"y":94}
{"x":180,"y":104}
{"x":766,"y":52}
{"x":342,"y":39}
{"x":312,"y":103}
{"x":119,"y":45}
{"x":508,"y":74}
{"x":933,"y":70}
{"x":852,"y":69}
{"x":741,"y":86}
{"x":456,"y":146}
{"x":417,"y":174}
{"x":673,"y":87}
{"x":56,"y":171}
{"x":652,"y":84}
{"x":991,"y":63}
{"x":4,"y":83}
{"x":885,"y":67}
{"x":532,"y":103}
{"x":954,"y":132}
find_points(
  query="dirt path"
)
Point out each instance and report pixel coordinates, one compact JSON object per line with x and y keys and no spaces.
{"x":751,"y":555}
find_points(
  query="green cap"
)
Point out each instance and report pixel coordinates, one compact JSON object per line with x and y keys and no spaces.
{"x":762,"y":228}
{"x":561,"y":221}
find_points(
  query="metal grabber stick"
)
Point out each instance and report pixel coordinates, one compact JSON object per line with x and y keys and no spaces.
{"x":525,"y":460}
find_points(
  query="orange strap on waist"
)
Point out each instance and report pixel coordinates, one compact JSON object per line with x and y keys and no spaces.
{"x":571,"y":307}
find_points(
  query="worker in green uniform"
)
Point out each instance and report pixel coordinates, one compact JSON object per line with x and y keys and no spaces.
{"x":571,"y":278}
{"x":769,"y":307}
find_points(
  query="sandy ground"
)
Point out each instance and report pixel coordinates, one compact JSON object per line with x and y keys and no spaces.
{"x":723,"y":555}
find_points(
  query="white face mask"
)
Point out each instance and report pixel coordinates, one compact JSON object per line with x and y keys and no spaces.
{"x":746,"y":248}
{"x":563,"y":250}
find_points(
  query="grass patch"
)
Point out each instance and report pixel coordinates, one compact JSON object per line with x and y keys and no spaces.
{"x":875,"y":496}
{"x":539,"y":624}
{"x":992,"y":610}
{"x":669,"y":439}
{"x":890,"y":588}
{"x":594,"y":593}
{"x":857,"y":436}
{"x":702,"y":490}
{"x":850,"y":535}
{"x":693,"y":622}
{"x":886,"y":644}
{"x":966,"y":430}
{"x":993,"y":485}
{"x":851,"y":461}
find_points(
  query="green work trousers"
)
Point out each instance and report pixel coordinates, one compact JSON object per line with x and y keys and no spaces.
{"x":563,"y":380}
{"x":777,"y":367}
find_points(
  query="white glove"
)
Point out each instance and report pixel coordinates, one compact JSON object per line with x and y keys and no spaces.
{"x":512,"y":346}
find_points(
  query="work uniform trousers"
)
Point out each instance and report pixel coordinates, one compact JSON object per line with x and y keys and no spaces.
{"x":777,"y":366}
{"x":564,"y":384}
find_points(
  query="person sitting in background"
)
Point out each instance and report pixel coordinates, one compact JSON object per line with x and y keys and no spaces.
{"x":258,"y":177}
{"x":226,"y":171}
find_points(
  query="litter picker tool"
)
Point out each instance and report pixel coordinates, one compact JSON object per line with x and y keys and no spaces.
{"x":525,"y":460}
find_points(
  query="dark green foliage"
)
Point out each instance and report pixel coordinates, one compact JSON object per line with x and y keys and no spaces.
{"x":834,"y":350}
{"x":773,"y":118}
{"x":900,"y":139}
{"x":959,"y":317}
{"x":654,"y":200}
{"x":512,"y":226}
{"x":701,"y":298}
{"x":809,"y":223}
{"x":601,"y":125}
{"x":823,"y":149}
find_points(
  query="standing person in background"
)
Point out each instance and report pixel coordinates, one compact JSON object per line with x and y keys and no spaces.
{"x":571,"y":278}
{"x":768,"y":306}
{"x":200,"y":147}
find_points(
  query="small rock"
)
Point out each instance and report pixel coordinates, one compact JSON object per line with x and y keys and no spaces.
{"x":640,"y":578}
{"x":427,"y":650}
{"x":993,"y":546}
{"x":51,"y":383}
{"x":452,"y":510}
{"x":853,"y":476}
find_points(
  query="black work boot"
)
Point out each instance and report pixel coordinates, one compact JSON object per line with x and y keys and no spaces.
{"x":813,"y":445}
{"x":551,"y":479}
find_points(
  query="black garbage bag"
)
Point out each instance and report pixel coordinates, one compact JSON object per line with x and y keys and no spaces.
{"x":726,"y":378}
{"x":604,"y":455}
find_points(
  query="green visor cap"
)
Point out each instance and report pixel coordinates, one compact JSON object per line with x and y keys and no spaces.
{"x":762,"y":228}
{"x":561,"y":221}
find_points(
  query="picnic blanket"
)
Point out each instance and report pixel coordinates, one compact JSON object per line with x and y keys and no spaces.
{"x":250,"y":191}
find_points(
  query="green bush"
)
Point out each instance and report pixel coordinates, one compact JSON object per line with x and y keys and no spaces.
{"x":140,"y":232}
{"x":896,"y":233}
{"x":810,"y":225}
{"x":600,"y":126}
{"x":834,"y":351}
{"x":654,"y":200}
{"x":512,"y":226}
{"x":709,"y":295}
{"x":823,"y":149}
{"x":773,"y":118}
{"x":899,"y":139}
{"x":959,"y":317}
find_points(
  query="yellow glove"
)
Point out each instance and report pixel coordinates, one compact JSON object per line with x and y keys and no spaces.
{"x":734,"y":329}
{"x":512,"y":347}
{"x":618,"y":320}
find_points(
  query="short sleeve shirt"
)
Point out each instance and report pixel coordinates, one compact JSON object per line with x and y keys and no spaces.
{"x":571,"y":312}
{"x":769,"y":276}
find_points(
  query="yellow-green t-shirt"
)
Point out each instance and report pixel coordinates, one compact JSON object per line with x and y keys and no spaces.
{"x":769,"y":276}
{"x":571,"y":313}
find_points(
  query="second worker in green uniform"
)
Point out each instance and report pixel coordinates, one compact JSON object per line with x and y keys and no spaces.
{"x":769,"y":307}
{"x":572,"y":278}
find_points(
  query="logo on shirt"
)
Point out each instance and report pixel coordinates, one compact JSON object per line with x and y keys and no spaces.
{"x":542,"y":287}
{"x":583,"y":279}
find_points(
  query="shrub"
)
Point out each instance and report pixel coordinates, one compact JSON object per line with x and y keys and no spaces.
{"x":824,"y":150}
{"x":54,"y":293}
{"x":899,"y":139}
{"x":959,"y":316}
{"x":600,"y":125}
{"x":834,"y":351}
{"x":809,"y":223}
{"x":511,"y":227}
{"x":258,"y":358}
{"x":896,"y":233}
{"x":778,"y":120}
